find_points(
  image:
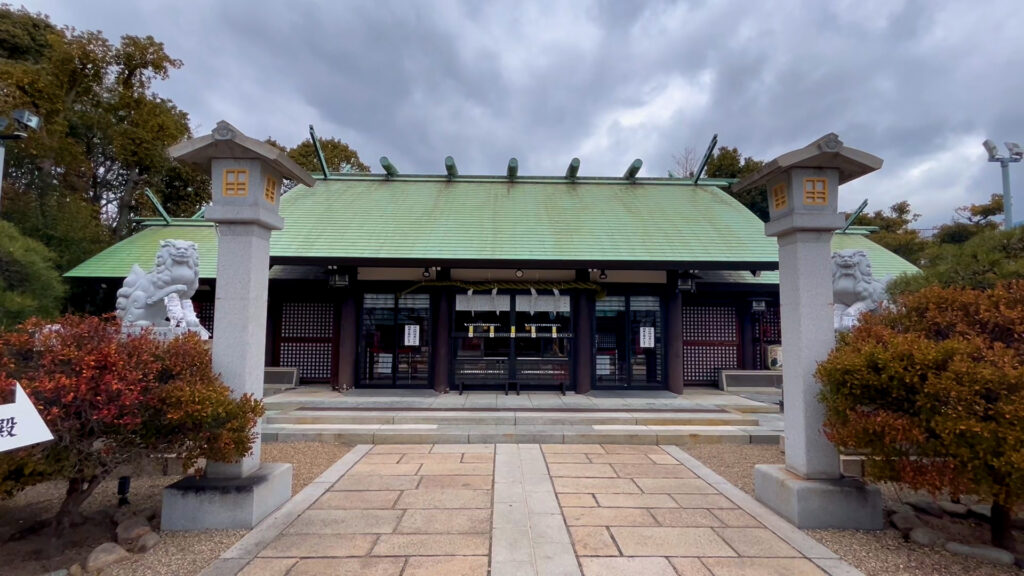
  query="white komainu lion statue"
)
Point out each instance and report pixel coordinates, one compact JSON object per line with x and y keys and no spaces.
{"x":162,"y":296}
{"x":854,"y":289}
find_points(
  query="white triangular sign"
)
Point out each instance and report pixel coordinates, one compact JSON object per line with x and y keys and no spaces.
{"x":20,"y":423}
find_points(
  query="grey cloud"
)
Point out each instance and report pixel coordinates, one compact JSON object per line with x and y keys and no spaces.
{"x":909,"y":81}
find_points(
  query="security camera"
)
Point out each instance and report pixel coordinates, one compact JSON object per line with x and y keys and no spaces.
{"x":991,"y":148}
{"x":1015,"y":150}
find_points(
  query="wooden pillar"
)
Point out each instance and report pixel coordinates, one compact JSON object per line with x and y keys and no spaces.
{"x":674,"y":335}
{"x":583,"y":328}
{"x":441,"y":336}
{"x":747,"y":346}
{"x":348,"y":346}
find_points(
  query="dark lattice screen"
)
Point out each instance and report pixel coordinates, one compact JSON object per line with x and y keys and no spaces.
{"x":306,"y":342}
{"x":204,"y":311}
{"x":767,"y":332}
{"x":710,"y":342}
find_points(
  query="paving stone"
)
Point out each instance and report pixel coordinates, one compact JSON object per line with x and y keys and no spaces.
{"x":762,"y":567}
{"x":582,"y":470}
{"x":303,"y":545}
{"x":593,"y":541}
{"x":548,"y":528}
{"x":478,"y":458}
{"x":577,"y":500}
{"x":462,"y":449}
{"x":632,"y":449}
{"x":432,"y":545}
{"x":608,"y":517}
{"x":456,"y":483}
{"x":542,"y":503}
{"x":595,"y":485}
{"x":686,"y":517}
{"x":431,"y":459}
{"x":400,"y":449}
{"x":511,"y":544}
{"x":456,"y":469}
{"x":653,"y":471}
{"x":446,"y":566}
{"x":447,"y":521}
{"x":356,"y":500}
{"x":572,"y":449}
{"x":511,"y":514}
{"x":736,"y":518}
{"x":555,"y":559}
{"x":512,"y":569}
{"x":567,"y":458}
{"x":347,"y":483}
{"x":268,"y":567}
{"x":621,"y":459}
{"x":670,"y":541}
{"x":381,"y":458}
{"x":620,"y":566}
{"x":675,"y":486}
{"x":443,"y":498}
{"x":348,"y":566}
{"x":345,"y":522}
{"x":510,"y":493}
{"x":662,"y":459}
{"x":384,"y":469}
{"x":689,"y":567}
{"x":703,"y":501}
{"x":635,"y":501}
{"x":760,"y":542}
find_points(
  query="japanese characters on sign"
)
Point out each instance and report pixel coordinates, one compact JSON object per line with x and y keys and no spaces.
{"x":647,"y":337}
{"x":20,"y":423}
{"x":412,"y":335}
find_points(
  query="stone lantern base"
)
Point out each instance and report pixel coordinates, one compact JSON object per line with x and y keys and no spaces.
{"x":205,"y":503}
{"x":843,"y":503}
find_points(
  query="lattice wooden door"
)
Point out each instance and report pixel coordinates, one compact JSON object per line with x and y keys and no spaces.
{"x":767,"y":332}
{"x":306,"y":340}
{"x":711,"y":342}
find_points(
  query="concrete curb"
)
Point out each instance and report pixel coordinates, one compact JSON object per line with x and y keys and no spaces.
{"x":809,"y":547}
{"x":235,"y":558}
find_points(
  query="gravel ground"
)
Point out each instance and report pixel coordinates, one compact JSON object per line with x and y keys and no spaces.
{"x":177,"y":554}
{"x":882,"y":553}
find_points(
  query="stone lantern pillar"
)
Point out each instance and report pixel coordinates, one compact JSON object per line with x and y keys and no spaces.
{"x":802,"y":188}
{"x":246,"y":182}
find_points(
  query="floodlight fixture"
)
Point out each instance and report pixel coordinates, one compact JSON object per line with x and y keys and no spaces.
{"x":27,"y":119}
{"x":992,"y":149}
{"x":1015,"y":150}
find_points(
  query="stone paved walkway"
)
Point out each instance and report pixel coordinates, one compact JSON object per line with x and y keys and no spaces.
{"x":524,"y":510}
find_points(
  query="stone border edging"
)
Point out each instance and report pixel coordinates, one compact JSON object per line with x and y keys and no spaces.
{"x":809,"y":547}
{"x":235,"y":558}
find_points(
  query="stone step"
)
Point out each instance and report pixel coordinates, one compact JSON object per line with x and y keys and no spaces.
{"x":484,"y":434}
{"x":510,"y":418}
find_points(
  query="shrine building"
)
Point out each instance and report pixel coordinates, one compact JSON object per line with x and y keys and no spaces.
{"x":456,"y":281}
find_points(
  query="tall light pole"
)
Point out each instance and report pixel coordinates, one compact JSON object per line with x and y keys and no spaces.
{"x":1016,"y":154}
{"x":23,"y":120}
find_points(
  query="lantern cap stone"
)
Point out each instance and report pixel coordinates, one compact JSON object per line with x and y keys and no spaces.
{"x":226,"y":141}
{"x":825,"y":152}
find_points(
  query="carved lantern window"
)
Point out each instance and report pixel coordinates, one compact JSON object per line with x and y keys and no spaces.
{"x":235,"y":183}
{"x":270,"y":190}
{"x":815,"y":191}
{"x":779,"y":200}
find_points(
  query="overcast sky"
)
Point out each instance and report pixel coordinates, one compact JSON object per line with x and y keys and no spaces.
{"x":920,"y":84}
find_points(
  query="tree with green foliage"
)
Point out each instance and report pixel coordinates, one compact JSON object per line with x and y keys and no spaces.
{"x":983,"y":261}
{"x":894,"y":231}
{"x":931,"y":389}
{"x":29,"y":283}
{"x":76,"y":185}
{"x":970,"y":221}
{"x":338,"y":155}
{"x":729,"y":163}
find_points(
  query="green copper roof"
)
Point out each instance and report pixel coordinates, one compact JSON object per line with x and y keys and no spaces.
{"x":428,"y":219}
{"x":116,"y":261}
{"x":883,"y":262}
{"x":432,"y":219}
